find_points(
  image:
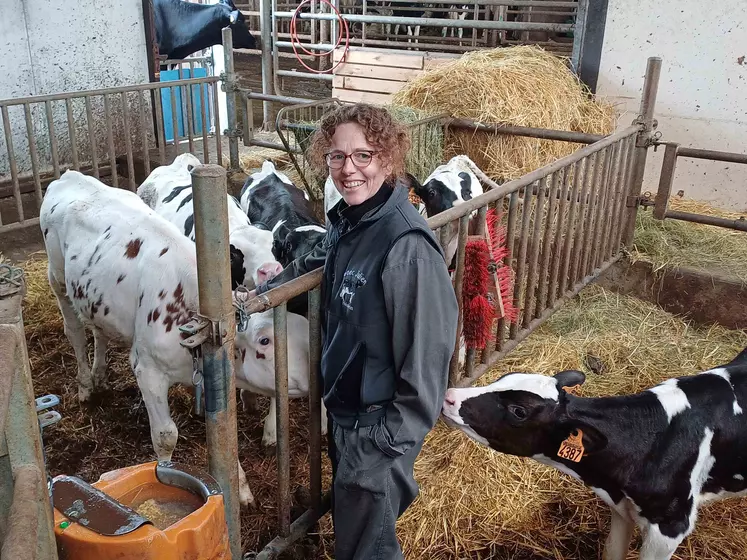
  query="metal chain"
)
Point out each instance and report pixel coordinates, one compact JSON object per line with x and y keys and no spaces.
{"x":242,"y":317}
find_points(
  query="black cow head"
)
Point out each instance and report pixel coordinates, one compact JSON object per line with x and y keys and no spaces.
{"x":436,"y":196}
{"x":520,"y":414}
{"x":242,"y":39}
{"x":238,"y":272}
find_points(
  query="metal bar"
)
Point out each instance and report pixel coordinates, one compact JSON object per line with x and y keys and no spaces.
{"x":92,"y":138}
{"x":284,"y":292}
{"x":19,"y":225}
{"x":666,"y":179}
{"x":298,"y":530}
{"x":497,"y":191}
{"x":646,"y":117}
{"x":627,"y":171}
{"x":553,"y":181}
{"x":13,"y":163}
{"x":583,"y":216}
{"x":104,"y":91}
{"x":739,"y":224}
{"x":203,"y":99}
{"x":216,"y":115}
{"x":307,"y":75}
{"x":190,"y":119}
{"x":513,"y":206}
{"x":128,"y":142}
{"x":34,"y":154}
{"x":599,"y":186}
{"x":546,"y":314}
{"x":71,"y":133}
{"x":616,"y":178}
{"x":542,"y":133}
{"x":600,"y":236}
{"x":436,"y":22}
{"x":443,"y":238}
{"x":160,"y":128}
{"x":315,"y":396}
{"x":280,"y":323}
{"x":46,"y":175}
{"x":110,"y":135}
{"x":174,"y":120}
{"x":559,"y":237}
{"x":458,"y":289}
{"x":697,"y":153}
{"x":52,"y":139}
{"x":518,"y":3}
{"x":229,"y":83}
{"x":469,"y":361}
{"x":214,"y":281}
{"x":579,"y":34}
{"x":572,"y":228}
{"x":529,"y":296}
{"x":273,"y":145}
{"x":141,"y":96}
{"x":520,"y":282}
{"x":277,"y":98}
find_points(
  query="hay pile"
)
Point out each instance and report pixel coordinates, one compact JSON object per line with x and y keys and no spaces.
{"x":476,"y":503}
{"x":674,"y":242}
{"x":523,"y":85}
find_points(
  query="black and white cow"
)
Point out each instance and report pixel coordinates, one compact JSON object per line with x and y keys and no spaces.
{"x":183,"y":28}
{"x":654,"y":457}
{"x":168,"y":191}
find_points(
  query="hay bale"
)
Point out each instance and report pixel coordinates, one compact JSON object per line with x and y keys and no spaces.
{"x":677,"y":243}
{"x":523,"y":86}
{"x":476,"y":503}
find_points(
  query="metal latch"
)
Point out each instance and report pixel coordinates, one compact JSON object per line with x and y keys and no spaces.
{"x":51,"y":416}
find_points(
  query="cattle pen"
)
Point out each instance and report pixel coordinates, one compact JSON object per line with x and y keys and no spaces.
{"x":567,"y":224}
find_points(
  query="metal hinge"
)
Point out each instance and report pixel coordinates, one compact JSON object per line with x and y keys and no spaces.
{"x":51,"y":416}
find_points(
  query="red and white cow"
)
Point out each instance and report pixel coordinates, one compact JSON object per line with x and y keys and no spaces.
{"x":129,"y":275}
{"x":168,"y":191}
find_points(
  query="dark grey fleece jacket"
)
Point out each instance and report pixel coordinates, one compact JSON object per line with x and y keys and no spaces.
{"x":389,"y":318}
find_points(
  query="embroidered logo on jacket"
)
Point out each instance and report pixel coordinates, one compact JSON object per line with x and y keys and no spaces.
{"x":351,"y":281}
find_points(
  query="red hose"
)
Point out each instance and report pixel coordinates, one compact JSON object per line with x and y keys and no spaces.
{"x":294,"y":39}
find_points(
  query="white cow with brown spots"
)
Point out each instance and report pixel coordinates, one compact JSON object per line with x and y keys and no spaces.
{"x":131,"y":276}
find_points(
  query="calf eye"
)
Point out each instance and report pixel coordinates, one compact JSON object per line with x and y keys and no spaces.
{"x":264,"y":341}
{"x":518,"y":412}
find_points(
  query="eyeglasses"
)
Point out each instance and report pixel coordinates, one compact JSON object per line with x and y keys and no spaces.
{"x":360,"y":158}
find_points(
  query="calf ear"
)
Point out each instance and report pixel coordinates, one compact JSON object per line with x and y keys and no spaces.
{"x":569,"y":378}
{"x":409,"y":181}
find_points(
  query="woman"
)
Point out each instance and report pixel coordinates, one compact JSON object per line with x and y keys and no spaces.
{"x":389,"y":317}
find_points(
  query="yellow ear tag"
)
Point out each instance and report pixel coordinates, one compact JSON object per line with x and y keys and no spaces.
{"x":572,"y":448}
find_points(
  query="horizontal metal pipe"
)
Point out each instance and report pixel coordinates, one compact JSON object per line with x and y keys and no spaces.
{"x":543,"y":133}
{"x":546,"y":314}
{"x":522,"y":3}
{"x":277,"y":98}
{"x":298,"y":529}
{"x":273,"y":145}
{"x":499,"y":191}
{"x":108,"y":91}
{"x":284,"y":292}
{"x":712,"y":154}
{"x":740,"y":224}
{"x":437,"y":22}
{"x":308,"y":75}
{"x":19,"y":225}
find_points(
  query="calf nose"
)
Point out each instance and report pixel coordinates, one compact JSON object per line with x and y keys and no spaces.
{"x":451,"y":397}
{"x":268,"y":271}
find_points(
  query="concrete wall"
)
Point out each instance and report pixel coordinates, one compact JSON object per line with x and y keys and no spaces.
{"x":702,"y":99}
{"x":54,"y":46}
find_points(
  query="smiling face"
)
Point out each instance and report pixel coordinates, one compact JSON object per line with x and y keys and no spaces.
{"x":356,"y":184}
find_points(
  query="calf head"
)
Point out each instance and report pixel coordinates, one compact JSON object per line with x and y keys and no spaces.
{"x":520,"y":414}
{"x":252,"y":261}
{"x":289,"y":244}
{"x":449,"y":185}
{"x":242,"y":39}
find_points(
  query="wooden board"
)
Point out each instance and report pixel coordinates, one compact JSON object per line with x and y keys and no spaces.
{"x":373,"y":75}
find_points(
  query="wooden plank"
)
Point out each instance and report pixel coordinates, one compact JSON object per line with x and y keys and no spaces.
{"x":379,"y":72}
{"x":362,"y":97}
{"x":380,"y":58}
{"x":368,"y":84}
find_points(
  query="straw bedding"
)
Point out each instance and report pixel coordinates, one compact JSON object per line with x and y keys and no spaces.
{"x":523,"y":85}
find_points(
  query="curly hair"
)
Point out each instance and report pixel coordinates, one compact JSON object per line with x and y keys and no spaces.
{"x":387,"y":136}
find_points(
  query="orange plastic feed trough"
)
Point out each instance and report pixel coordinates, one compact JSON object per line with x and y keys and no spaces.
{"x":153,"y":511}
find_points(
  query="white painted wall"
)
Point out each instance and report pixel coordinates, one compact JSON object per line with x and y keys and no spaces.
{"x":54,"y":46}
{"x":702,"y":98}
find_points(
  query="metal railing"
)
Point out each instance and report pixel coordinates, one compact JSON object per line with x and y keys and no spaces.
{"x":105,"y":133}
{"x":28,"y":523}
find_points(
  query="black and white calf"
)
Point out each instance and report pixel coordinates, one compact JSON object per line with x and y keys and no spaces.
{"x":654,"y":457}
{"x":168,"y":191}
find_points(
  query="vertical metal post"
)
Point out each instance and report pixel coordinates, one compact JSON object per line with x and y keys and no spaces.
{"x":646,"y":118}
{"x":280,"y":324}
{"x":458,"y":282}
{"x":265,"y":25}
{"x":315,"y":395}
{"x":229,"y":83}
{"x":668,"y":166}
{"x":214,"y":280}
{"x":579,"y":32}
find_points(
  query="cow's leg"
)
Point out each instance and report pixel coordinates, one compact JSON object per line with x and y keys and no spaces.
{"x":99,"y":371}
{"x":76,"y":335}
{"x":249,"y":401}
{"x":154,"y":387}
{"x":657,"y":546}
{"x":245,"y":494}
{"x":618,"y":540}
{"x":270,"y":434}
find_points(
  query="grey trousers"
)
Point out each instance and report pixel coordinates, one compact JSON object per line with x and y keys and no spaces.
{"x":372,"y":485}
